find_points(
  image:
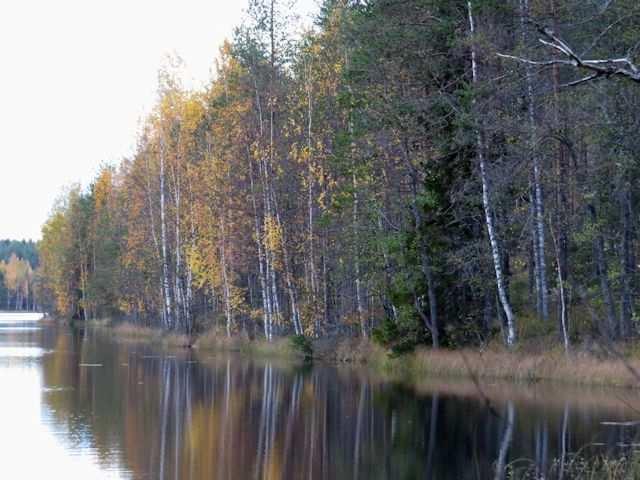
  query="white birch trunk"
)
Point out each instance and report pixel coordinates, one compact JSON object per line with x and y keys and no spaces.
{"x":189,"y":271}
{"x":510,"y":337}
{"x":83,"y":283}
{"x":269,"y":165}
{"x":538,"y":202}
{"x":267,"y":308}
{"x":163,"y":242}
{"x":505,"y":443}
{"x":310,"y":181}
{"x":266,"y":299}
{"x":225,"y":279}
{"x":356,"y":259}
{"x":295,"y":314}
{"x":563,"y":303}
{"x":178,"y":294}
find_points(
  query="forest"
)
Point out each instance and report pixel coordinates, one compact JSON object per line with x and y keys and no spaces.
{"x":413,"y":171}
{"x":18,"y":277}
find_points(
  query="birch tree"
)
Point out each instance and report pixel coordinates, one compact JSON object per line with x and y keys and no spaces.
{"x":510,"y":336}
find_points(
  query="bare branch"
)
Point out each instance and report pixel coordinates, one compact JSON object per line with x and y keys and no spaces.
{"x":582,"y":80}
{"x":543,"y":63}
{"x":606,"y":67}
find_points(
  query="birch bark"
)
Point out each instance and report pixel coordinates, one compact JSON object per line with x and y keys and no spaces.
{"x":510,"y":337}
{"x":538,"y":203}
{"x":163,"y":241}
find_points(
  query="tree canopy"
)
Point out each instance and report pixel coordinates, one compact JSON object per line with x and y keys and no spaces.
{"x":419,"y":171}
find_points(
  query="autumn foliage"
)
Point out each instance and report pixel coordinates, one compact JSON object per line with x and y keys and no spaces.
{"x":381,"y":174}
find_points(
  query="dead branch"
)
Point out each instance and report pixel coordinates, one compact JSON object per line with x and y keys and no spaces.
{"x":598,"y":68}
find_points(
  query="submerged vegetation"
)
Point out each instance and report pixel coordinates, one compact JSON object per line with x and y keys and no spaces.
{"x":422,"y":173}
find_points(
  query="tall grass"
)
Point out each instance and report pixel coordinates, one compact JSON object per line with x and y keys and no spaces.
{"x":532,"y":363}
{"x":217,"y":340}
{"x":141,"y":334}
{"x":576,"y":368}
{"x":578,"y":467}
{"x":351,"y":350}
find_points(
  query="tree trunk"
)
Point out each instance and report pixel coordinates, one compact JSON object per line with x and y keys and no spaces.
{"x":505,"y":443}
{"x":310,"y":203}
{"x":325,"y":280}
{"x":178,"y":292}
{"x":83,"y":290}
{"x":154,"y":236}
{"x":168,"y":314}
{"x":538,"y":205}
{"x":628,"y":270}
{"x":603,"y":275}
{"x":425,"y":262}
{"x":225,"y":279}
{"x":562,"y":203}
{"x":356,"y":260}
{"x":266,"y":299}
{"x":564,"y":328}
{"x":510,"y":337}
{"x":295,"y":314}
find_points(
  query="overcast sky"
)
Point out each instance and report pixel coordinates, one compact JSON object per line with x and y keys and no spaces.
{"x":76,"y":76}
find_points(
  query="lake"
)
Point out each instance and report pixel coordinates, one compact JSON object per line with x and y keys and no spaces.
{"x":76,"y":404}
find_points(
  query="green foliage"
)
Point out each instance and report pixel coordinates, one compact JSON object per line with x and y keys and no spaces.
{"x":403,"y":334}
{"x":386,"y":333}
{"x":464,"y":334}
{"x":302,"y":344}
{"x":23,"y":249}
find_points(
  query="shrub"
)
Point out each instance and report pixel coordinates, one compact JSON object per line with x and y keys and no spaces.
{"x":400,"y":336}
{"x":302,"y":344}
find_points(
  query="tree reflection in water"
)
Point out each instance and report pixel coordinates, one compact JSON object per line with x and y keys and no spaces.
{"x":195,"y":416}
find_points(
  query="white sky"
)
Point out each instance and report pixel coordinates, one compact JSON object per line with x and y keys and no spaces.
{"x":76,"y":76}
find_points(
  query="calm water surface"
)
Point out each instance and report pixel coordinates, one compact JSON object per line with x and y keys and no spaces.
{"x":76,"y":404}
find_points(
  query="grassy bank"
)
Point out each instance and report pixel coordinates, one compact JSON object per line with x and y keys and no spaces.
{"x":128,"y":332}
{"x":577,"y":368}
{"x":211,"y":341}
{"x":526,"y":365}
{"x":215,"y":340}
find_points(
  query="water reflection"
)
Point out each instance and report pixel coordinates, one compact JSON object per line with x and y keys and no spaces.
{"x":505,"y":442}
{"x":31,"y":442}
{"x":137,"y":413}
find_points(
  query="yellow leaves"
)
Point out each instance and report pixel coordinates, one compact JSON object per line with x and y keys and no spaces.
{"x":193,"y":112}
{"x":202,"y":260}
{"x":197,"y":265}
{"x":238,"y":299}
{"x":103,"y":188}
{"x":17,"y":274}
{"x":272,"y":234}
{"x":54,"y":257}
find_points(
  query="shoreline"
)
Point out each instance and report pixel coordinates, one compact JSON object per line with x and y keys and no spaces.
{"x":579,"y":368}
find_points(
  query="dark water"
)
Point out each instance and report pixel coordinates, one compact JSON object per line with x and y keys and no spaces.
{"x":76,"y":404}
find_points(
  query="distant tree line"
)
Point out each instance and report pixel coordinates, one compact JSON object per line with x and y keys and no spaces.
{"x":23,"y":249}
{"x":420,"y":171}
{"x":18,"y":279}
